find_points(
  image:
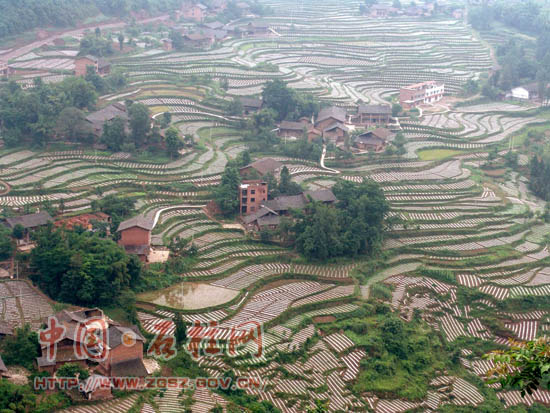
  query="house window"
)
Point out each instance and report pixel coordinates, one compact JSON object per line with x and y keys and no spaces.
{"x":252,"y":199}
{"x":252,"y":191}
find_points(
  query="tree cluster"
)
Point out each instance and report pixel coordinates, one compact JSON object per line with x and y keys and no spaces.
{"x":288,"y":103}
{"x":354,"y":226}
{"x":81,"y":268}
{"x":226,"y":195}
{"x":539,"y":180}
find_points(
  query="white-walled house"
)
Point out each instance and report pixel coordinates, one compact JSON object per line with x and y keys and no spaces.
{"x":525,"y":92}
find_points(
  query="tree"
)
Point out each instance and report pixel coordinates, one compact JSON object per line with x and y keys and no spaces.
{"x":396,"y":109}
{"x":277,"y":96}
{"x":181,"y":330}
{"x":72,"y":370}
{"x":226,"y":195}
{"x":121,"y":40}
{"x":97,"y":32}
{"x":18,"y":231}
{"x":524,"y":365}
{"x":6,"y":244}
{"x":140,"y":123}
{"x":114,"y":134}
{"x":80,"y":93}
{"x":286,"y":186}
{"x":234,"y":107}
{"x":72,"y":126}
{"x":166,"y":119}
{"x":173,"y":142}
{"x":320,"y":406}
{"x":22,"y":348}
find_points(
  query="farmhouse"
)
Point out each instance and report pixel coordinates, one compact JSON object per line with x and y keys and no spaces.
{"x":525,"y":92}
{"x":167,"y":44}
{"x":198,"y":41}
{"x":85,"y":221}
{"x":30,"y":223}
{"x":330,"y":115}
{"x":5,"y":70}
{"x":289,"y":129}
{"x":262,"y":167}
{"x":335,"y":133}
{"x":257,"y":28}
{"x":135,"y":236}
{"x":375,"y":140}
{"x":420,"y":93}
{"x":251,"y":105}
{"x":99,"y":118}
{"x":100,"y":65}
{"x":270,"y":213}
{"x":372,"y":114}
{"x":252,"y":193}
{"x":195,"y":12}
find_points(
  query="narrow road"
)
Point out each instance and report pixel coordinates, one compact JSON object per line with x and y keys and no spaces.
{"x":323,"y":161}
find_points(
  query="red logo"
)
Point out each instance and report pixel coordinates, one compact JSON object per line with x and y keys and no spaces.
{"x":49,"y":337}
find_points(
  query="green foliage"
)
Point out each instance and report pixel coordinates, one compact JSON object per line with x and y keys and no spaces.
{"x":524,"y":365}
{"x":181,"y":330}
{"x":81,"y":268}
{"x":95,"y":46}
{"x":286,"y":186}
{"x":226,"y":195}
{"x":396,"y":109}
{"x":140,"y":123}
{"x":355,"y":226}
{"x":6,"y":243}
{"x":22,"y":348}
{"x":73,"y":370}
{"x":288,"y":103}
{"x":114,"y":134}
{"x":72,"y":126}
{"x":173,"y":142}
{"x":234,"y":107}
{"x":117,"y":207}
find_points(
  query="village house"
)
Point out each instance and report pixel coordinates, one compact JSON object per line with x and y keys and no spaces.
{"x":525,"y":92}
{"x":85,"y":221}
{"x":289,"y":129}
{"x":270,"y":212}
{"x":375,"y":140}
{"x":330,"y":115}
{"x":198,"y":41}
{"x":257,"y":29}
{"x":101,"y":66}
{"x":99,"y":118}
{"x":382,"y":10}
{"x":135,"y":236}
{"x":195,"y":12}
{"x":59,"y":42}
{"x":252,"y":193}
{"x":213,"y":25}
{"x":30,"y":223}
{"x":167,"y":44}
{"x":5,"y":70}
{"x":218,"y":6}
{"x":372,"y":114}
{"x":261,"y":167}
{"x":251,"y":105}
{"x":97,"y":387}
{"x":336,"y":134}
{"x":421,"y":93}
{"x":123,"y":356}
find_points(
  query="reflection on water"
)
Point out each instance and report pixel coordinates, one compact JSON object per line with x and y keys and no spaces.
{"x":189,"y":296}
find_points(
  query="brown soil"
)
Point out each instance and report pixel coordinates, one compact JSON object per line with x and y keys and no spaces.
{"x":495,"y":172}
{"x":324,"y":319}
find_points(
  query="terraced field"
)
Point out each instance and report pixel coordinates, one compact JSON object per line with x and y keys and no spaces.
{"x":480,"y":232}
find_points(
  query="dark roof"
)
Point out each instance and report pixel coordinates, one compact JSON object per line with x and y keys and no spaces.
{"x":336,"y":125}
{"x":384,"y":133}
{"x":108,"y":113}
{"x":264,"y":165}
{"x":321,"y":195}
{"x":269,"y":220}
{"x":262,"y":212}
{"x":531,"y":87}
{"x":139,"y":221}
{"x":44,"y":362}
{"x":375,"y":109}
{"x":251,"y":102}
{"x":89,"y":57}
{"x":286,"y":202}
{"x":259,"y":25}
{"x":285,"y":124}
{"x":369,"y":139}
{"x":2,"y":365}
{"x":30,"y":221}
{"x":79,"y":316}
{"x":332,"y":112}
{"x":197,"y":36}
{"x":117,"y":332}
{"x":129,"y":368}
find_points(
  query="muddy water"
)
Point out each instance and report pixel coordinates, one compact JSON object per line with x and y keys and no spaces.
{"x":189,"y":296}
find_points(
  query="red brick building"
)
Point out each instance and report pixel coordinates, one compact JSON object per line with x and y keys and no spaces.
{"x":328,"y":116}
{"x":135,"y":236}
{"x":101,"y":66}
{"x":84,"y":221}
{"x":195,"y":12}
{"x":251,"y":195}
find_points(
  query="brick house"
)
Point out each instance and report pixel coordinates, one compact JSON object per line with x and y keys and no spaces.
{"x":372,"y":114}
{"x":195,"y":12}
{"x":251,"y":105}
{"x":84,"y":221}
{"x":167,"y":44}
{"x":257,"y":29}
{"x":251,"y":195}
{"x":198,"y":41}
{"x":421,"y":93}
{"x":97,"y":387}
{"x":100,"y":65}
{"x":336,"y":133}
{"x":124,"y":356}
{"x":135,"y":236}
{"x":261,"y":167}
{"x":289,"y":129}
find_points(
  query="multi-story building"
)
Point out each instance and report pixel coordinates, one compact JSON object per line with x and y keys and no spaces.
{"x":251,"y":195}
{"x":426,"y":92}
